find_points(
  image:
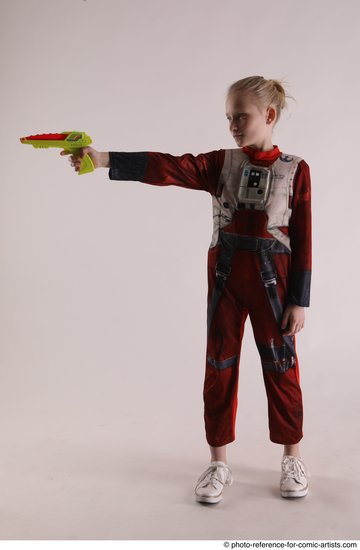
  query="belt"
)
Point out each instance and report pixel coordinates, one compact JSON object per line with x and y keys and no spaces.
{"x":248,"y":242}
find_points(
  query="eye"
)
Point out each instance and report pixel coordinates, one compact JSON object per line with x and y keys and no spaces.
{"x":236,"y":117}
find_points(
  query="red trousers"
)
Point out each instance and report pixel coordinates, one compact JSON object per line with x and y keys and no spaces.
{"x":244,"y":294}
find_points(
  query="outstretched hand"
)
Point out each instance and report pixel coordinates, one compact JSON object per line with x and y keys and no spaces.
{"x":293,"y":319}
{"x":100,"y":160}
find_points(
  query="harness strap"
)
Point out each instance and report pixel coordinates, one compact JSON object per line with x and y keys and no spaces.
{"x":265,"y":248}
{"x":268,"y":276}
{"x":223,"y":270}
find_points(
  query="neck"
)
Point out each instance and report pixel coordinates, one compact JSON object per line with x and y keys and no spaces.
{"x":262,"y":147}
{"x":256,"y":154}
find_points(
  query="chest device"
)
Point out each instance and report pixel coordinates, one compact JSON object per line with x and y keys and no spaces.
{"x":255,"y":183}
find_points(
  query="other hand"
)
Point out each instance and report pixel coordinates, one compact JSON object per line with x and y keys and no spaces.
{"x":293,"y":319}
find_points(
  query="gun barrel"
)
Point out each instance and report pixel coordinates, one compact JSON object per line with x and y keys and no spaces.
{"x":67,"y":140}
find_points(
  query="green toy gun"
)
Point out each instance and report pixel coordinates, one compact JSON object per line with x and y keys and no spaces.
{"x":69,"y":141}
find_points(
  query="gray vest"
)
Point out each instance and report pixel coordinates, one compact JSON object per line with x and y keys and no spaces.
{"x":278,"y":191}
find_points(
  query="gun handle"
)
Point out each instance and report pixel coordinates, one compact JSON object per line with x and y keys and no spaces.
{"x":86,"y":165}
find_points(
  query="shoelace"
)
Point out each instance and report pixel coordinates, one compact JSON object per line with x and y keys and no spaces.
{"x":292,"y":467}
{"x":211,"y":474}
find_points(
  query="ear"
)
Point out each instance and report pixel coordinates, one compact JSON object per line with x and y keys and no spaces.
{"x":270,"y":114}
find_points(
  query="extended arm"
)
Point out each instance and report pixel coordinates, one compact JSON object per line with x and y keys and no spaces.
{"x":199,"y":172}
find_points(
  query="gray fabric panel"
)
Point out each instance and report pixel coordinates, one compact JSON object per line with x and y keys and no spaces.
{"x":127,"y":166}
{"x":299,"y":288}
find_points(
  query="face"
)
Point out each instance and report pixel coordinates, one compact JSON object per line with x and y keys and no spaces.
{"x":249,"y":122}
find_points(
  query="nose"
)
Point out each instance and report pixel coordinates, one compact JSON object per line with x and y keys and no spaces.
{"x":233,"y":126}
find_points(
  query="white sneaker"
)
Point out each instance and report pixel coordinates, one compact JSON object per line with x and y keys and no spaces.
{"x":210,"y":484}
{"x":294,"y":477}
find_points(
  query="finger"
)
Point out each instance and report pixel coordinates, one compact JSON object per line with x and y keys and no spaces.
{"x":65,"y":153}
{"x":284,"y":320}
{"x":75,"y":158}
{"x":83,"y":151}
{"x":76,"y":154}
{"x":290,"y":330}
{"x":76,"y":165}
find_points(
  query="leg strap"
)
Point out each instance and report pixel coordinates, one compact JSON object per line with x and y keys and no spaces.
{"x":269,"y":277}
{"x":223,"y":270}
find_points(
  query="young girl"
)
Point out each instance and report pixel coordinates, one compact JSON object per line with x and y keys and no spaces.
{"x":259,"y":264}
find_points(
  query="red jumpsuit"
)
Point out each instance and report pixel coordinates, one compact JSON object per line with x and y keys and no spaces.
{"x":244,"y":292}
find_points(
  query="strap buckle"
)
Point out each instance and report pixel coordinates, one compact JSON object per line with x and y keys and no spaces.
{"x":268,"y":277}
{"x":222,"y":270}
{"x":270,"y":282}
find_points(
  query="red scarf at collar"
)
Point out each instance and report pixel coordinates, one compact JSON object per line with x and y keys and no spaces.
{"x":257,"y":154}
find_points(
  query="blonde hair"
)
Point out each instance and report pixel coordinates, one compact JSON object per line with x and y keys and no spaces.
{"x":266,"y":92}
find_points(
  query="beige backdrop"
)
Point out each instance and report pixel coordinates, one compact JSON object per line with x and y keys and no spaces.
{"x":103,"y":283}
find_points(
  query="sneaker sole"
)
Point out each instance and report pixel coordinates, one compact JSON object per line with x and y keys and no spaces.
{"x":209,"y":500}
{"x":294,"y":494}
